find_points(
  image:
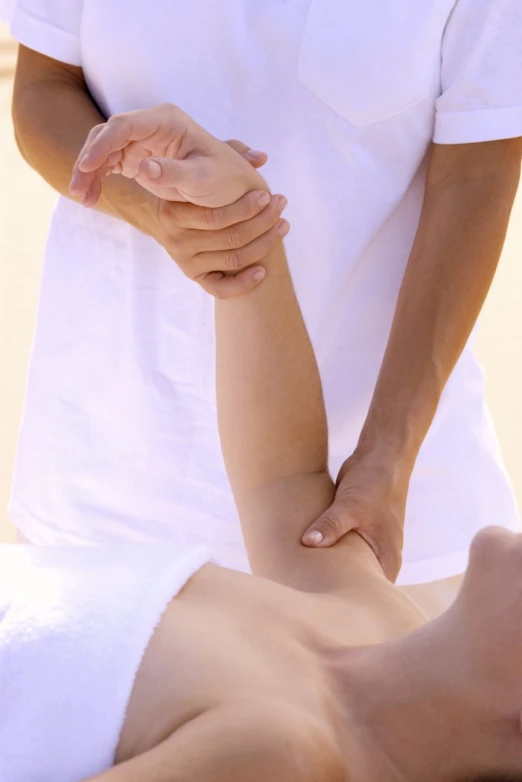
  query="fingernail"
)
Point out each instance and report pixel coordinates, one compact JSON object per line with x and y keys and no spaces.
{"x":264,"y":199}
{"x":282,"y":202}
{"x":314,"y":537}
{"x":255,"y":153}
{"x":153,"y":169}
{"x":259,"y":275}
{"x":84,"y":160}
{"x":74,"y":182}
{"x":283,"y":227}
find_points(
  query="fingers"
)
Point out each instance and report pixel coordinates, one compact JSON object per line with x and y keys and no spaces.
{"x":122,"y":129}
{"x":163,"y":127}
{"x":234,"y":261}
{"x":199,"y":252}
{"x":384,"y":540}
{"x":255,"y":157}
{"x":329,"y":528}
{"x":81,"y":182}
{"x":222,"y":287}
{"x":200,"y":218}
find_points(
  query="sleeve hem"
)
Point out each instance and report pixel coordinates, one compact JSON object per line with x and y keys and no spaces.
{"x":468,"y":127}
{"x":45,"y":38}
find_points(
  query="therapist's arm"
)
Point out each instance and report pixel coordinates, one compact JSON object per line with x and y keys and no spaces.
{"x":469,"y":195}
{"x":53,"y":114}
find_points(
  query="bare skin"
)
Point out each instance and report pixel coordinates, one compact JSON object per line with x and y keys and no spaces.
{"x":275,"y":643}
{"x":317,"y":668}
{"x":249,"y":680}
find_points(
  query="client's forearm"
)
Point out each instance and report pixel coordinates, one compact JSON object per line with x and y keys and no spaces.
{"x":271,"y":412}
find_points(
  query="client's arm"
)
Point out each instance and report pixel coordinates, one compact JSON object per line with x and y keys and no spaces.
{"x":272,"y":425}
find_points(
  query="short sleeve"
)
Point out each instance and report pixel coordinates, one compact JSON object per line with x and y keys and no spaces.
{"x":481,"y":96}
{"x":50,"y":27}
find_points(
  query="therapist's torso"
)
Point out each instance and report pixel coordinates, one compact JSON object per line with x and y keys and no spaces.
{"x":119,"y":438}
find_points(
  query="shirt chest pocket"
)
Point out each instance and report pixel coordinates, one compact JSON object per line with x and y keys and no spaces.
{"x":370,"y":60}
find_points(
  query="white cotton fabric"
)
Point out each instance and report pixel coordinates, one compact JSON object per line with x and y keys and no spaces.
{"x":119,"y":437}
{"x":74,"y":624}
{"x":6,"y":10}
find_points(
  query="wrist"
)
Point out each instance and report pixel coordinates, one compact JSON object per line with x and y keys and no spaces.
{"x":381,"y":473}
{"x":392,"y":452}
{"x":396,"y":428}
{"x":128,"y":201}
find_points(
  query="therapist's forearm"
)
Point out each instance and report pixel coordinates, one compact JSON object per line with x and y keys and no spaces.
{"x":469,"y":196}
{"x":53,"y":114}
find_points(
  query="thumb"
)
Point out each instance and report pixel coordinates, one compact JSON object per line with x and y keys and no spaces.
{"x":163,"y":172}
{"x":255,"y":157}
{"x":329,"y":528}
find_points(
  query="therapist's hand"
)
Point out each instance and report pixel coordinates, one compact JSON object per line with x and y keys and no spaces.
{"x":221,"y":248}
{"x":370,"y":500}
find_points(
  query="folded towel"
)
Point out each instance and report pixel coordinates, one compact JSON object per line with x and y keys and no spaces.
{"x":74,"y":625}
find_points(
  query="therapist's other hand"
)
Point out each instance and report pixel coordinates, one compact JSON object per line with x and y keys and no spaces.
{"x":221,"y":248}
{"x":167,"y":153}
{"x":370,"y":500}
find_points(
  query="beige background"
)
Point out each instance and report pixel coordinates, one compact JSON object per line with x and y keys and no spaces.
{"x":25,"y":207}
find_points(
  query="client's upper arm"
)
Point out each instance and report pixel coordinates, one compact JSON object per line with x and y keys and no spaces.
{"x":238,"y":741}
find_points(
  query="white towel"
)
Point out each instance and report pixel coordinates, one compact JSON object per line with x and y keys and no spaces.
{"x":74,"y":624}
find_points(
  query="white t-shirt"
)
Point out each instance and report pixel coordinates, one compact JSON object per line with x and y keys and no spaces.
{"x":119,"y":437}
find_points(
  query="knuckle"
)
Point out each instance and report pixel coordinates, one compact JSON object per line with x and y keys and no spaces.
{"x":249,"y":205}
{"x":175,"y":245}
{"x":331,"y":524}
{"x":236,"y":238}
{"x":168,"y":215}
{"x":233,"y":260}
{"x":164,"y":210}
{"x":95,"y":131}
{"x":211,"y":217}
{"x":171,"y":111}
{"x":116,"y":119}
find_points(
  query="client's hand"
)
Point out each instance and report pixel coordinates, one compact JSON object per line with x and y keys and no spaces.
{"x":167,"y":153}
{"x":219,"y":228}
{"x":370,"y":500}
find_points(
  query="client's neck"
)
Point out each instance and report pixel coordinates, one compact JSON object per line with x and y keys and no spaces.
{"x":420,"y":713}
